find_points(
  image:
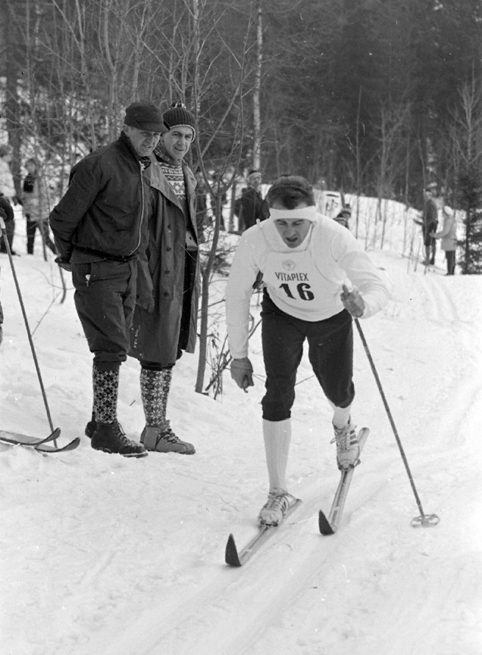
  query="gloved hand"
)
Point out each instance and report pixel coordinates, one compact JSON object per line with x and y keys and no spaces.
{"x":242,"y":373}
{"x":63,"y":263}
{"x":352,"y":301}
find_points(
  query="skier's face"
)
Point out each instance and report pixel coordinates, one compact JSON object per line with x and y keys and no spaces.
{"x":293,"y":231}
{"x":177,"y":142}
{"x":143,"y":141}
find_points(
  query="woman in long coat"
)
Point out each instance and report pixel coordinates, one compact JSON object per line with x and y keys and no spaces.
{"x":448,"y":234}
{"x":165,"y":318}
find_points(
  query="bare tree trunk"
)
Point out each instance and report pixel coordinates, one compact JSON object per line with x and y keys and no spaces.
{"x":358,"y":163}
{"x":206,"y":279}
{"x":12,"y":108}
{"x":257,"y":90}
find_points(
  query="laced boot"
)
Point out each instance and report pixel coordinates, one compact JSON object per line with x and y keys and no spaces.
{"x":111,"y":438}
{"x":105,"y":386}
{"x":347,"y":448}
{"x":272,"y":513}
{"x":161,"y":439}
{"x":90,"y":427}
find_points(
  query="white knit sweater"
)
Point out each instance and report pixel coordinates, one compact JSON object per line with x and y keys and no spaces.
{"x":304,"y":282}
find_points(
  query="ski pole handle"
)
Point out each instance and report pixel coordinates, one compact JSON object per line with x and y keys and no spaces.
{"x":2,"y":222}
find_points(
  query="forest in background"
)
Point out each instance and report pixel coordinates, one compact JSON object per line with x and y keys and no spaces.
{"x":375,"y":97}
{"x":368,"y":97}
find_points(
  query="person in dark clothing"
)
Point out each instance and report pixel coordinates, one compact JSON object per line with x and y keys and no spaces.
{"x":202,"y":219}
{"x":6,"y":216}
{"x":429,"y":225}
{"x":251,"y":206}
{"x":161,"y":333}
{"x":7,"y":189}
{"x":101,"y":231}
{"x":343,"y":217}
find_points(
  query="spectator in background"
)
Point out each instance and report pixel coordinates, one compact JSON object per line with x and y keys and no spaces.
{"x":101,"y":231}
{"x":6,"y":217}
{"x":251,"y":206}
{"x":166,"y":326}
{"x":429,"y":225}
{"x":36,"y":205}
{"x":448,"y":234}
{"x":343,"y":217}
{"x":7,"y":188}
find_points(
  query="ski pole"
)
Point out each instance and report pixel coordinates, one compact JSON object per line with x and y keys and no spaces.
{"x":24,"y":313}
{"x":424,"y":520}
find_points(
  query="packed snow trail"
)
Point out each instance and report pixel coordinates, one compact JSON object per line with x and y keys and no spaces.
{"x":103,"y":556}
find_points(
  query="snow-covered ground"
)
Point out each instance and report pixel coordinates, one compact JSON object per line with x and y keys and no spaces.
{"x":102,"y":555}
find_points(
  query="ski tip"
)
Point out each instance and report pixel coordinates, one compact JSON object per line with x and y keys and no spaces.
{"x":55,"y":435}
{"x":46,"y":448}
{"x":324,"y":526}
{"x":231,"y":556}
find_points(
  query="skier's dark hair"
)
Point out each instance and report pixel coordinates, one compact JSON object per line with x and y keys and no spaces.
{"x":290,"y":191}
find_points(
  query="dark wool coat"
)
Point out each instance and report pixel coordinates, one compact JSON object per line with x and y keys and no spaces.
{"x":6,"y":210}
{"x":250,"y":207}
{"x":155,"y":336}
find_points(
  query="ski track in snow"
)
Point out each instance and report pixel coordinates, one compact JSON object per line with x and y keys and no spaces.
{"x":106,"y":556}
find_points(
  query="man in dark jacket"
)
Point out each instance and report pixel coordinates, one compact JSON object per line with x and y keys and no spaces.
{"x":100,"y":230}
{"x":250,"y":206}
{"x":430,"y":223}
{"x":162,"y":331}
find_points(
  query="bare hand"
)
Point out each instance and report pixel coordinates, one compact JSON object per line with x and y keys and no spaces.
{"x":242,"y":373}
{"x":352,"y":301}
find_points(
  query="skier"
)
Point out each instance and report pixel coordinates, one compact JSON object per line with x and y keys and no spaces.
{"x":100,"y":230}
{"x":309,"y":265}
{"x":166,"y":325}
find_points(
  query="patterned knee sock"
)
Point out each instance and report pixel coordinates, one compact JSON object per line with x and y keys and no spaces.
{"x":155,"y":386}
{"x":106,"y":385}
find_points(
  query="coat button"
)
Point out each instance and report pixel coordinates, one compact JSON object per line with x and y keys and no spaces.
{"x":167,"y":272}
{"x":166,"y":293}
{"x":168,"y":248}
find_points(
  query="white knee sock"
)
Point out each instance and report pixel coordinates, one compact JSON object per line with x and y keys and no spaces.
{"x":277,"y":439}
{"x":341,"y":416}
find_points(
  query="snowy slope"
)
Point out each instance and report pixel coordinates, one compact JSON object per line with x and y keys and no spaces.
{"x":100,"y":555}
